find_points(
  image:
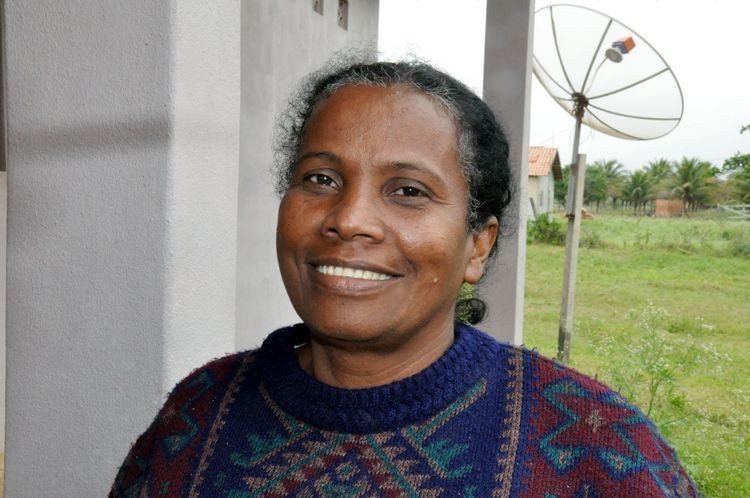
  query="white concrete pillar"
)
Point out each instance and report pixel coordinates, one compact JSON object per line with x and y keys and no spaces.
{"x":507,"y":89}
{"x":123,"y":131}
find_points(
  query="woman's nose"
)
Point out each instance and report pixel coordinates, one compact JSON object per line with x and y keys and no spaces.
{"x":355,"y":214}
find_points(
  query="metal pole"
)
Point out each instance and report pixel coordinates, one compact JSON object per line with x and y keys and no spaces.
{"x":573,"y":163}
{"x":573,"y":204}
{"x":577,"y":178}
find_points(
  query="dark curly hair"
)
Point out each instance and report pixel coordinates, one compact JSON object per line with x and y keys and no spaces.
{"x":481,"y":141}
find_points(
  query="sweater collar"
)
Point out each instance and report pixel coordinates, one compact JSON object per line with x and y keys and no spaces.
{"x":381,"y":408}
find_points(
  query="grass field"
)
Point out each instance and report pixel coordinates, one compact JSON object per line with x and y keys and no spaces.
{"x":662,"y":313}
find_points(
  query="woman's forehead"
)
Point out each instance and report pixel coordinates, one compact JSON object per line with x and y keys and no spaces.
{"x":385,"y":112}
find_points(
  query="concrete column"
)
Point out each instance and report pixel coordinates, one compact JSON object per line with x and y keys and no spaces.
{"x":123,"y":132}
{"x":507,"y":89}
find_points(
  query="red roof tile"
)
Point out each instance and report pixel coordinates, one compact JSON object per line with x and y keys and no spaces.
{"x":541,"y":159}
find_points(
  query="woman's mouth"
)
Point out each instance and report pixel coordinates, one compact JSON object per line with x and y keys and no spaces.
{"x":343,"y":271}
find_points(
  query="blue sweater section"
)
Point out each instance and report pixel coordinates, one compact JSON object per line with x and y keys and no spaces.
{"x":387,"y":407}
{"x":486,"y":419}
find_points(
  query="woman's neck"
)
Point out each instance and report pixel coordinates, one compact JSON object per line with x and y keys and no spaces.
{"x":362,"y":367}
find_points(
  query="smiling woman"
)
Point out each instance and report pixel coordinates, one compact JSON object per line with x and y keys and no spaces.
{"x":379,"y":182}
{"x":394,"y":178}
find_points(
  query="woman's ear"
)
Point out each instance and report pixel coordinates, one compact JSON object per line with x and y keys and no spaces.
{"x":483,"y":241}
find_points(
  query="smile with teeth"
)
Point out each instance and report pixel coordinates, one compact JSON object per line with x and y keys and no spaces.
{"x":340,"y":271}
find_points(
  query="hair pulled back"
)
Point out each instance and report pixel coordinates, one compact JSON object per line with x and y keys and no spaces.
{"x":481,"y":142}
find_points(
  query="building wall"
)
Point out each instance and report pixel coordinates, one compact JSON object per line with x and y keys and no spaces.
{"x":551,"y":192}
{"x":542,"y":194}
{"x":281,"y":42}
{"x":3,"y":236}
{"x":122,"y":151}
{"x":545,"y":194}
{"x":533,"y":192}
{"x":542,"y":190}
{"x":669,"y":207}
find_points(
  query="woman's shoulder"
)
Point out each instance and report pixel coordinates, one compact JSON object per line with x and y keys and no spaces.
{"x":546,"y":370}
{"x":578,"y":429}
{"x":278,"y":343}
{"x":207,"y":381}
{"x":556,"y":395}
{"x":537,"y":371}
{"x":182,"y":424}
{"x":541,"y":380}
{"x":217,"y":370}
{"x":203,"y":388}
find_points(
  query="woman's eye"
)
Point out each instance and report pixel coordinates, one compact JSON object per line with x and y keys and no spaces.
{"x":320,"y":179}
{"x":410,"y":192}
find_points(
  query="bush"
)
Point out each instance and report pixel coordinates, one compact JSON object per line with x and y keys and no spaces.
{"x":546,"y":230}
{"x":648,"y":367}
{"x":591,"y":240}
{"x":739,"y":244}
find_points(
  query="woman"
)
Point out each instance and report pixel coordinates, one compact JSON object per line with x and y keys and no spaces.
{"x":394,"y":178}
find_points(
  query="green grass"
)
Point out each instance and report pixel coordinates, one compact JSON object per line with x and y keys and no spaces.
{"x":675,"y":293}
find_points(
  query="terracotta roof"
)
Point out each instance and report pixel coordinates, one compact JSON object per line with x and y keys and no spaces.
{"x":541,"y":159}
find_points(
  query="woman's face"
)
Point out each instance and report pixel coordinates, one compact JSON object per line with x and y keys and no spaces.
{"x":372,"y":239}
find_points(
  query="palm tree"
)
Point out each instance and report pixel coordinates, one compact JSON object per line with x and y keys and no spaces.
{"x":661,"y":172}
{"x":595,"y":186}
{"x":739,"y":168}
{"x":561,"y":186}
{"x":637,"y":189}
{"x":614,"y":174}
{"x":692,"y":182}
{"x":612,"y":169}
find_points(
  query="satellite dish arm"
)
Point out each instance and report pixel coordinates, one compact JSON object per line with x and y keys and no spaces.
{"x":630,"y":85}
{"x":593,"y":57}
{"x":557,"y":48}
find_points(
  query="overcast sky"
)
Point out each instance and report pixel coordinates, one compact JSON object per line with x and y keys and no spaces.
{"x":705,"y":42}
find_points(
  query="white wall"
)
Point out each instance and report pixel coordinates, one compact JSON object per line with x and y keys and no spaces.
{"x":533,"y":190}
{"x":545,"y":193}
{"x":281,"y":42}
{"x":542,"y":190}
{"x":551,"y":190}
{"x":3,"y":236}
{"x":202,"y":192}
{"x":122,"y":129}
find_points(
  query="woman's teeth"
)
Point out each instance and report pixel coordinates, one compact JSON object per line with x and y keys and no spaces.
{"x":340,"y":271}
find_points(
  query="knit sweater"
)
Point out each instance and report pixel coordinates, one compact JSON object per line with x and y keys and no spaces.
{"x":486,"y":419}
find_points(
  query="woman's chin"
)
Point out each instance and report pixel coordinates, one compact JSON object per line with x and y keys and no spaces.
{"x":343,"y":332}
{"x":354,"y":336}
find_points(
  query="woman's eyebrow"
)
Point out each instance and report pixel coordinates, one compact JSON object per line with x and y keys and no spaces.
{"x":328,"y":156}
{"x":420,"y":168}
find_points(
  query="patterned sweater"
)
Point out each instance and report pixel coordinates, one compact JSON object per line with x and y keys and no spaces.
{"x":486,"y":419}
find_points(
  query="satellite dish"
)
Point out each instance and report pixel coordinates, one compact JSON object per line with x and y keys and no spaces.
{"x":610,"y":78}
{"x":594,"y":65}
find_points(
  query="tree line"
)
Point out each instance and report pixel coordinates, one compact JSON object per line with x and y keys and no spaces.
{"x":697,"y":183}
